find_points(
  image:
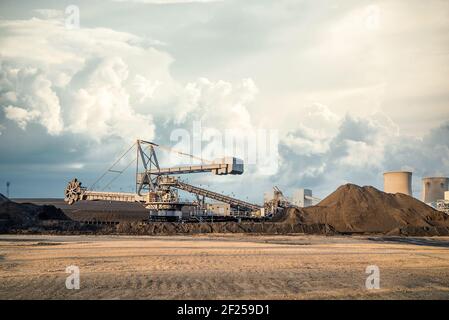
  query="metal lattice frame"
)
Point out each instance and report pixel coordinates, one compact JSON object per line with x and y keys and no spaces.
{"x":149,"y":161}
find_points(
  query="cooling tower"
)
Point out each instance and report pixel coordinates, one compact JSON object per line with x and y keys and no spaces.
{"x":398,"y":182}
{"x":433,"y":188}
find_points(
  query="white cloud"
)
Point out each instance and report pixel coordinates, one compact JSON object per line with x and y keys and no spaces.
{"x":101,"y":107}
{"x":359,"y":151}
{"x":219,"y":104}
{"x":315,"y":130}
{"x":20,"y":115}
{"x":144,"y":88}
{"x":30,"y":89}
{"x":78,"y":81}
{"x":49,"y":13}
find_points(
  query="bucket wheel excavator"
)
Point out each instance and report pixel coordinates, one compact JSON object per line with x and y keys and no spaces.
{"x":157,"y":187}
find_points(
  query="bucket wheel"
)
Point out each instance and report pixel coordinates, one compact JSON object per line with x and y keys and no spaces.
{"x":73,"y":192}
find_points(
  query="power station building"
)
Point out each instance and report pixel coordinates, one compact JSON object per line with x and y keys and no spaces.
{"x":302,"y":198}
{"x":218,"y":208}
{"x":434,"y":188}
{"x":398,"y":182}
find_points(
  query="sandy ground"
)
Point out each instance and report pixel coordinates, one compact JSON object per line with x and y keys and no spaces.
{"x":223,"y":267}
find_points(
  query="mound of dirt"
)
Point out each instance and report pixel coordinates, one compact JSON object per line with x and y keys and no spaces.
{"x":3,"y":199}
{"x":118,"y":216}
{"x":160,"y":228}
{"x":355,"y":209}
{"x":13,"y":214}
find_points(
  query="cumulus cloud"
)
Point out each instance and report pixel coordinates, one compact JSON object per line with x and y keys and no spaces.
{"x":29,"y":96}
{"x":314,"y":132}
{"x":359,"y":151}
{"x":78,"y":81}
{"x":20,"y":115}
{"x":144,"y":89}
{"x":214,"y":115}
{"x":425,"y":156}
{"x":101,"y":107}
{"x":100,"y":83}
{"x":219,"y":104}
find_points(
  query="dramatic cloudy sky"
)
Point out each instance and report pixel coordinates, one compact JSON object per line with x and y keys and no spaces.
{"x":350,"y":88}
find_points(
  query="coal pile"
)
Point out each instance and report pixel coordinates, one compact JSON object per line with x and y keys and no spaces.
{"x":171,"y":228}
{"x":355,"y":209}
{"x":25,"y":215}
{"x":3,"y":199}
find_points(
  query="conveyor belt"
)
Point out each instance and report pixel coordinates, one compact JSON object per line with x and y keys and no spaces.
{"x":235,"y":203}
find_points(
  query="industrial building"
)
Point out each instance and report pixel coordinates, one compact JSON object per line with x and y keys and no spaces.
{"x":398,"y":182}
{"x":443,"y":205}
{"x":275,"y":202}
{"x":434,"y":188}
{"x":219,"y":209}
{"x":435,"y":193}
{"x":302,"y":198}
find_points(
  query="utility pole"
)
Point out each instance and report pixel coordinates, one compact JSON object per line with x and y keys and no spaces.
{"x":7,"y":188}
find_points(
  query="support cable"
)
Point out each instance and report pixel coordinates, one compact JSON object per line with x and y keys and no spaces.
{"x":120,"y":172}
{"x":177,"y":151}
{"x":110,"y":168}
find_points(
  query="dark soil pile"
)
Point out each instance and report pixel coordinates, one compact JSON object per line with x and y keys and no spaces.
{"x":355,"y":209}
{"x":90,"y":215}
{"x":156,"y":228}
{"x":3,"y":199}
{"x":24,"y":215}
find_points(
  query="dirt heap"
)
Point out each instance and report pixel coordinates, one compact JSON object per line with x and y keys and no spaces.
{"x":160,"y":228}
{"x":3,"y":199}
{"x":355,"y":209}
{"x":13,"y":214}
